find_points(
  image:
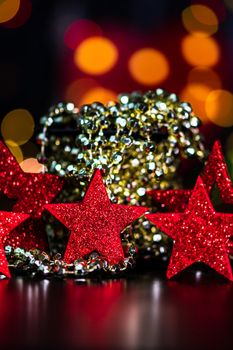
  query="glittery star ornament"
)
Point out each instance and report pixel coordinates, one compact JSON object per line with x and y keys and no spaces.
{"x":200,"y":234}
{"x":32,"y":192}
{"x":95,"y":223}
{"x":215,"y":171}
{"x":8,"y":221}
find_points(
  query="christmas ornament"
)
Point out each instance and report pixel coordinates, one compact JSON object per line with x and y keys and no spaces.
{"x":139,"y":141}
{"x":8,"y":221}
{"x":95,"y":223}
{"x":36,"y":262}
{"x":32,"y":192}
{"x":199,"y":234}
{"x":215,"y":171}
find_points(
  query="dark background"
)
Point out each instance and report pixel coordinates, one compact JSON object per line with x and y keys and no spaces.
{"x":36,"y":66}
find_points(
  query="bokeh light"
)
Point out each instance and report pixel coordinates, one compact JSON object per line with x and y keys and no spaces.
{"x":200,"y":20}
{"x":31,"y":165}
{"x":204,"y":76}
{"x":17,"y":127}
{"x":229,"y":4}
{"x":99,"y":94}
{"x":199,"y":91}
{"x":78,"y":88}
{"x":21,"y":16}
{"x":200,"y":51}
{"x":79,"y":31}
{"x":148,"y":66}
{"x":219,"y":107}
{"x":8,"y":9}
{"x":196,"y":94}
{"x":96,"y":55}
{"x":16,"y":151}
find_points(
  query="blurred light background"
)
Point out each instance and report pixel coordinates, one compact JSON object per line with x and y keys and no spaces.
{"x":87,"y":50}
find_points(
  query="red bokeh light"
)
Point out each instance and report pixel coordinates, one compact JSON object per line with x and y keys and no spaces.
{"x":79,"y":31}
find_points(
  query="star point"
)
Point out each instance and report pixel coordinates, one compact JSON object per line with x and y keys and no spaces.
{"x":215,"y":171}
{"x":199,"y":234}
{"x":95,"y":223}
{"x":32,"y":192}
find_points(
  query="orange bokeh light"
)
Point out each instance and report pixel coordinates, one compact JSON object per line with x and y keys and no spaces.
{"x":8,"y":9}
{"x":199,"y":91}
{"x":219,"y":107}
{"x":196,"y":95}
{"x":98,"y":94}
{"x":204,"y":76}
{"x":200,"y":51}
{"x":21,"y":16}
{"x":200,"y":20}
{"x":148,"y":66}
{"x":31,"y":165}
{"x":78,"y":88}
{"x":96,"y":55}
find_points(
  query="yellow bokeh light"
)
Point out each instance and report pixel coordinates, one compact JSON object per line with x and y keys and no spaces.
{"x":204,"y":76}
{"x":17,"y":127}
{"x":99,"y":94}
{"x":16,"y":151}
{"x":219,"y":107}
{"x":149,"y":66}
{"x":200,"y":51}
{"x":96,"y":55}
{"x":31,"y":165}
{"x":200,"y":20}
{"x":8,"y":9}
{"x":196,"y":95}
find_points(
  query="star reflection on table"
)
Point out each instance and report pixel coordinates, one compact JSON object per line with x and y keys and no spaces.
{"x":143,"y":310}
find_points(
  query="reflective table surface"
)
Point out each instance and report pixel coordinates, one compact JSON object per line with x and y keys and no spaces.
{"x":140,"y":311}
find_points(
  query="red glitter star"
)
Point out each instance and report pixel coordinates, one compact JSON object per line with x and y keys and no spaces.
{"x":199,"y":234}
{"x":32,"y":192}
{"x":95,"y":223}
{"x":215,"y":171}
{"x":8,"y":221}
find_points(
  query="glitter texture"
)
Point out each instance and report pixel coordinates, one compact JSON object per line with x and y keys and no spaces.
{"x":32,"y":192}
{"x":95,"y":223}
{"x":174,"y":200}
{"x":215,"y":171}
{"x":200,"y":234}
{"x":30,"y":235}
{"x":8,"y":221}
{"x":138,"y":140}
